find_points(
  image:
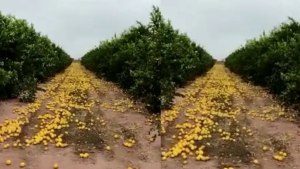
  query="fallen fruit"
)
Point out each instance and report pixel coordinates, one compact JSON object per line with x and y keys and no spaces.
{"x":8,"y":162}
{"x":55,"y":166}
{"x":255,"y":161}
{"x":265,"y":148}
{"x":22,"y":164}
{"x":108,"y":148}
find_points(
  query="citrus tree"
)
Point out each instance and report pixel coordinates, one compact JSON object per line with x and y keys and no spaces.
{"x":149,"y":61}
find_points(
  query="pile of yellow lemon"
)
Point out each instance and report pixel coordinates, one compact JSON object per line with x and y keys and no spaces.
{"x":280,"y":155}
{"x":195,"y":133}
{"x":208,"y":104}
{"x":129,"y":142}
{"x":84,"y":155}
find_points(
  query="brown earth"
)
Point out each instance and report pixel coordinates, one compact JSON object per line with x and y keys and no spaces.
{"x":259,"y":112}
{"x":133,"y":120}
{"x":280,"y":133}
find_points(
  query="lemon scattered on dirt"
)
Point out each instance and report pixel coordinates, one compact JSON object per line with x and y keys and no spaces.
{"x":84,"y":155}
{"x":280,"y":155}
{"x":108,"y":148}
{"x":129,"y":143}
{"x":8,"y":162}
{"x":55,"y":166}
{"x":255,"y":161}
{"x":22,"y":164}
{"x":116,"y":136}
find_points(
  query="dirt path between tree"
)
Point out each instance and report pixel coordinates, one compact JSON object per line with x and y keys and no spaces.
{"x":218,"y":122}
{"x":229,"y":124}
{"x":78,"y":115}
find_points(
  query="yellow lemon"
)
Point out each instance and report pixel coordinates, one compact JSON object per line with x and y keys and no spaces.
{"x":22,"y":164}
{"x":108,"y":148}
{"x":255,"y":161}
{"x":265,"y":148}
{"x":8,"y":162}
{"x":55,"y":166}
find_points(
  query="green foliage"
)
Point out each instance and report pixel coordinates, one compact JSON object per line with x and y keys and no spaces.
{"x":272,"y":60}
{"x":26,"y":57}
{"x":149,"y":61}
{"x":28,"y":89}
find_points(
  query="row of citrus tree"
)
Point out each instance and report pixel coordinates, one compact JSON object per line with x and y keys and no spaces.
{"x":26,"y":57}
{"x":149,"y":61}
{"x":273,"y":61}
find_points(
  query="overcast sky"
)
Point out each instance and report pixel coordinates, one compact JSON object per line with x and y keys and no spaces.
{"x":219,"y":26}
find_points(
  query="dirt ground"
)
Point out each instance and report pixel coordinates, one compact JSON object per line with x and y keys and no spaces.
{"x":241,"y":126}
{"x":266,"y":122}
{"x":119,"y":116}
